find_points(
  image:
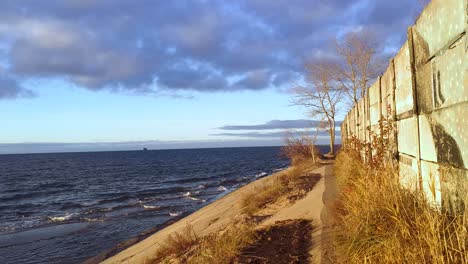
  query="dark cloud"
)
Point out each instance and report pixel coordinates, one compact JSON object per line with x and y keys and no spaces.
{"x":278,"y":124}
{"x":150,"y":46}
{"x":11,"y":89}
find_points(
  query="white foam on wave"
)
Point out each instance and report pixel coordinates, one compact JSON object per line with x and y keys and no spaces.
{"x":196,"y":199}
{"x":93,"y":219}
{"x":60,"y":218}
{"x":151,"y":207}
{"x":261,"y":174}
{"x":187,"y":194}
{"x":222,"y":188}
{"x":175,"y":213}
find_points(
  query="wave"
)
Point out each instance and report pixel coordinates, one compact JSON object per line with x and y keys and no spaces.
{"x":196,"y":199}
{"x":261,"y":174}
{"x":173,"y":214}
{"x":189,"y":195}
{"x":87,"y":219}
{"x":151,"y":207}
{"x":222,"y":188}
{"x":60,"y":218}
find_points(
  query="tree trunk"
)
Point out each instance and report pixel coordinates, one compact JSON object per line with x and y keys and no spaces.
{"x":332,"y":136}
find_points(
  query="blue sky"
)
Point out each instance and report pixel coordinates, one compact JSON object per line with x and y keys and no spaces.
{"x":109,"y":75}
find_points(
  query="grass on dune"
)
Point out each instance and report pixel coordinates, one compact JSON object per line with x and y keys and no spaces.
{"x":379,"y":221}
{"x":221,"y":247}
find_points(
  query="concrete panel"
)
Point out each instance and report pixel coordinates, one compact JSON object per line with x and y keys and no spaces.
{"x":386,"y":107}
{"x":408,"y":136}
{"x":374,"y":114}
{"x":403,"y":81}
{"x":374,"y":93}
{"x":408,"y":167}
{"x":440,"y":22}
{"x":424,"y":88}
{"x":454,"y":185}
{"x":427,"y":145}
{"x":450,"y":134}
{"x":375,"y":129}
{"x":448,"y":70}
{"x":387,"y":81}
{"x":431,"y":182}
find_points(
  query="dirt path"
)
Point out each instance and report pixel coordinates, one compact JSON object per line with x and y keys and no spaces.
{"x":329,"y":196}
{"x":315,"y":207}
{"x":284,"y":242}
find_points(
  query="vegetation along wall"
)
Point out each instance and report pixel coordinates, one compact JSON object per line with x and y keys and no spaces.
{"x":424,"y":93}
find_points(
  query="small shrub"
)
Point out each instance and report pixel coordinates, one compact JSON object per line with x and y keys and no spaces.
{"x":300,"y":148}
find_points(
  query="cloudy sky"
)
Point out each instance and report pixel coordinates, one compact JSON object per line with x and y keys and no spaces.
{"x":109,"y":74}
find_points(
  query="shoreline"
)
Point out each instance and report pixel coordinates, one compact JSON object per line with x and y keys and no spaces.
{"x":104,"y":256}
{"x":223,"y":212}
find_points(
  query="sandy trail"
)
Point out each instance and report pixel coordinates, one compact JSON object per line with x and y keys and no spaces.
{"x":226,"y":210}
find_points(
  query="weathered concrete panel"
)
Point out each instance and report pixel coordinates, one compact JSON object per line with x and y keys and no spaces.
{"x":447,"y":75}
{"x":427,"y":145}
{"x":408,"y":136}
{"x":408,"y":171}
{"x":424,"y":88}
{"x":403,"y":81}
{"x":431,"y":182}
{"x":450,"y":134}
{"x":454,"y":186}
{"x":374,"y":114}
{"x":374,"y":93}
{"x":386,"y":90}
{"x":440,"y":22}
{"x":387,"y":82}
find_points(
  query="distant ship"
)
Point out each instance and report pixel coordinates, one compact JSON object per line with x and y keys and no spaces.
{"x":145,"y":149}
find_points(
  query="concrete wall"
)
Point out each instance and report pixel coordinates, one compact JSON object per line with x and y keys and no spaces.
{"x":425,"y":92}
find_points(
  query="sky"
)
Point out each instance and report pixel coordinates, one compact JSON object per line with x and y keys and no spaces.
{"x":90,"y":75}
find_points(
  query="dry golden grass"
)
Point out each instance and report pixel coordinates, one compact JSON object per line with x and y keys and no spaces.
{"x":284,"y":183}
{"x":176,"y":244}
{"x":225,"y":246}
{"x":218,"y":248}
{"x":260,"y":196}
{"x":378,"y":221}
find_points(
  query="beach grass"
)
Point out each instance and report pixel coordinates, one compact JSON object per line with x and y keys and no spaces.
{"x":216,"y":248}
{"x":379,"y":221}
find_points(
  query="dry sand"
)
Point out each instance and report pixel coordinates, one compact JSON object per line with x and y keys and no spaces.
{"x":226,"y":210}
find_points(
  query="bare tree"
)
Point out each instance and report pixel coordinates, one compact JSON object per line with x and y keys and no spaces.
{"x":321,"y":96}
{"x":359,"y":64}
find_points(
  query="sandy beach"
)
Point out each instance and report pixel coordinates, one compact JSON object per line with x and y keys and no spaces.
{"x":225,"y":211}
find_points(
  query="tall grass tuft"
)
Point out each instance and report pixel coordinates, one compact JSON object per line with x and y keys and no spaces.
{"x":221,"y":247}
{"x":267,"y":193}
{"x":378,"y":221}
